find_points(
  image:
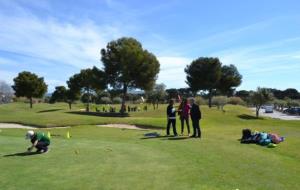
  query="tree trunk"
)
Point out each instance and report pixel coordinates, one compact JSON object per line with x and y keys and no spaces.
{"x":209,"y":97}
{"x":70,"y":105}
{"x":194,"y":93}
{"x":123,"y":107}
{"x":30,"y":101}
{"x":88,"y":102}
{"x":257,"y":111}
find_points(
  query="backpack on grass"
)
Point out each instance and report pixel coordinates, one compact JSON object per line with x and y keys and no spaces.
{"x":246,"y":136}
{"x":246,"y":133}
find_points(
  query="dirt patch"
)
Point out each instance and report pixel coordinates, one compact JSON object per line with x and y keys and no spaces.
{"x":123,"y":126}
{"x":19,"y":126}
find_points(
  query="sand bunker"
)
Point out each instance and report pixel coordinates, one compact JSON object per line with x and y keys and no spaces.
{"x":19,"y":126}
{"x":122,"y":126}
{"x":14,"y":126}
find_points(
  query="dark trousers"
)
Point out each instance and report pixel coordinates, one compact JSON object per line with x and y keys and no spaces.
{"x":42,"y":146}
{"x":196,"y":127}
{"x":182,"y":119}
{"x":173,"y":122}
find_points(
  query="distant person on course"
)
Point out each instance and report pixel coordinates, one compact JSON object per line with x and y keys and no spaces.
{"x":184,"y":109}
{"x":195,"y":116}
{"x":39,"y":140}
{"x":171,"y":114}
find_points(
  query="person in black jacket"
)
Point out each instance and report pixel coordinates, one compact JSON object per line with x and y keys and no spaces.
{"x":195,"y":116}
{"x":171,"y":114}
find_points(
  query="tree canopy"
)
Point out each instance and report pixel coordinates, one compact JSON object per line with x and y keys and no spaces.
{"x":59,"y":94}
{"x":29,"y":85}
{"x":128,"y":65}
{"x":204,"y":73}
{"x":230,"y":78}
{"x":87,"y":81}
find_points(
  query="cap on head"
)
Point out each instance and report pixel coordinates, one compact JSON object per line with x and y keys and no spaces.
{"x":29,"y":134}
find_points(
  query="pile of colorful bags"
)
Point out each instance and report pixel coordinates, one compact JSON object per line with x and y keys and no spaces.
{"x":262,"y":138}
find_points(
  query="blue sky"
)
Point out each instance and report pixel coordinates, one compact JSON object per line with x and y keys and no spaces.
{"x":55,"y":39}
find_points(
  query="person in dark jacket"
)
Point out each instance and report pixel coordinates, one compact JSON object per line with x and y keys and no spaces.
{"x":171,"y":114}
{"x":195,"y":116}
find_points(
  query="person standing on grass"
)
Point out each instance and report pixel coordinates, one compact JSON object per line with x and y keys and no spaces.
{"x":171,"y":114}
{"x":39,"y":140}
{"x":183,"y":111}
{"x":195,"y":116}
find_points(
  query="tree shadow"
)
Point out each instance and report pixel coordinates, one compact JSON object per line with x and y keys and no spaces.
{"x":100,"y":114}
{"x":50,"y":110}
{"x":177,"y":138}
{"x":22,"y":154}
{"x":153,"y":137}
{"x":249,"y":117}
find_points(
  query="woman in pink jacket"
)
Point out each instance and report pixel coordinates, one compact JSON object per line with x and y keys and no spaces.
{"x":184,"y":110}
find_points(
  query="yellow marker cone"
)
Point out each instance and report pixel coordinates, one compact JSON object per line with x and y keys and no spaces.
{"x":49,"y":135}
{"x":68,"y":135}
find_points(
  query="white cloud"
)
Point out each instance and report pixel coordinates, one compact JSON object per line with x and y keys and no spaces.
{"x":50,"y":42}
{"x":43,"y":43}
{"x":172,"y":71}
{"x":7,"y":76}
{"x":273,"y":64}
{"x":78,"y":45}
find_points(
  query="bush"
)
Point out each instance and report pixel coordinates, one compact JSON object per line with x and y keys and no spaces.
{"x":85,"y":98}
{"x":117,"y":100}
{"x":105,"y":100}
{"x":20,"y":99}
{"x":219,"y":101}
{"x":236,"y":101}
{"x":293,"y":103}
{"x":279,"y":104}
{"x":138,"y":101}
{"x":200,"y":101}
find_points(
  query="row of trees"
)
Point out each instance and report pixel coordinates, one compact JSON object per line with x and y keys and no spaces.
{"x":127,"y":65}
{"x":289,"y":93}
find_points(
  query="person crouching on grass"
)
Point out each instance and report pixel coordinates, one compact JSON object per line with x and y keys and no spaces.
{"x":39,"y":140}
{"x":171,"y":114}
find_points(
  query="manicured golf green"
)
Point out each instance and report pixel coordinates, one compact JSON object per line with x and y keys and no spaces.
{"x":107,"y":158}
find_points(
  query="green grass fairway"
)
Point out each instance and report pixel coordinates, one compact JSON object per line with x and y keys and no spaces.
{"x":107,"y":158}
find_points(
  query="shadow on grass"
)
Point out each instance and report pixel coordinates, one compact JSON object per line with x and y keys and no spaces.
{"x":50,"y":110}
{"x":100,"y":114}
{"x":177,"y":138}
{"x":22,"y":154}
{"x":166,"y":138}
{"x":249,"y":117}
{"x":158,"y":137}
